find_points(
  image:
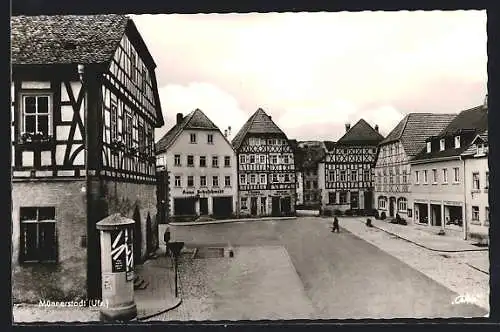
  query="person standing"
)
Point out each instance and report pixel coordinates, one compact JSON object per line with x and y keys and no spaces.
{"x":166,"y":238}
{"x":335,"y":226}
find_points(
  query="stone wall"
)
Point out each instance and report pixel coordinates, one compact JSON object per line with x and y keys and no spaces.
{"x":65,"y":280}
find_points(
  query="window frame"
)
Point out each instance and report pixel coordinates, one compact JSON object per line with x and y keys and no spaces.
{"x":23,"y":228}
{"x":191,"y":140}
{"x":210,"y":138}
{"x":49,"y":114}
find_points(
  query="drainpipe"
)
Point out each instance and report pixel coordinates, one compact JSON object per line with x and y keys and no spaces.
{"x":464,"y":209}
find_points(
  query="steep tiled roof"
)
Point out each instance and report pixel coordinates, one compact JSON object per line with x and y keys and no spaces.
{"x":66,"y":39}
{"x":361,"y":133}
{"x":258,"y":123}
{"x":468,"y":123}
{"x":415,"y":128}
{"x":194,"y":120}
{"x":329,"y":145}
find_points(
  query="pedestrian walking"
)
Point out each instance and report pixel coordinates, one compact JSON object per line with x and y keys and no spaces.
{"x":335,"y":226}
{"x":166,"y":238}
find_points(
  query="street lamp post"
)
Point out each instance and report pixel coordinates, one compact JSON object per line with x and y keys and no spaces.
{"x":175,"y":248}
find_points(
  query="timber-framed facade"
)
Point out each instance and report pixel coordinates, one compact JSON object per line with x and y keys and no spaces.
{"x":266,"y":168}
{"x":84,"y":109}
{"x":346,"y":172}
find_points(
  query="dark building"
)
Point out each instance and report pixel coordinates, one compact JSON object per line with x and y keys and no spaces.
{"x":311,"y":153}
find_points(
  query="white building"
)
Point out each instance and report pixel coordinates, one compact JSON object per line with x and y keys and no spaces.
{"x":201,"y":166}
{"x":476,"y":188}
{"x":439,"y":176}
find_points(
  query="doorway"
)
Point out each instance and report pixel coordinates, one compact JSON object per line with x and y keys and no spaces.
{"x":222,"y":206}
{"x":203,"y":206}
{"x":253,"y":206}
{"x":285,"y":205}
{"x":275,"y":202}
{"x":368,"y":200}
{"x":263,"y":203}
{"x":392,"y":202}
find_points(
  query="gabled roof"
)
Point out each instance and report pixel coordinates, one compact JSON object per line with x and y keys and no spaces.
{"x":66,"y":39}
{"x":194,"y":120}
{"x":469,"y":123}
{"x":329,"y":145}
{"x":481,"y":138}
{"x":258,"y":123}
{"x":415,"y":128}
{"x":361,"y":133}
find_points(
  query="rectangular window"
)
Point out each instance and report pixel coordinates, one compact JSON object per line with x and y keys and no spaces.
{"x":445,"y":175}
{"x":177,"y":160}
{"x":456,"y":174}
{"x":475,"y":181}
{"x":227,"y":161}
{"x":315,"y":184}
{"x":192,"y":138}
{"x":177,"y":181}
{"x":487,"y":216}
{"x":243,"y":179}
{"x":332,"y":198}
{"x":127,"y":128}
{"x":475,"y":213}
{"x":457,"y":142}
{"x":263,"y":179}
{"x":354,"y":175}
{"x":342,"y":176}
{"x":286,"y":159}
{"x":308,"y":184}
{"x":434,"y":176}
{"x":252,"y":159}
{"x":287,"y":177}
{"x":133,"y":62}
{"x":366,"y":175}
{"x":215,"y":181}
{"x":210,"y":139}
{"x":141,"y":131}
{"x":343,"y":197}
{"x":262,"y":159}
{"x":425,"y":176}
{"x":203,"y":181}
{"x":114,"y":121}
{"x":38,"y":235}
{"x":244,"y":203}
{"x":441,"y":144}
{"x":190,"y":181}
{"x":203,"y":161}
{"x":253,"y":178}
{"x":190,"y":161}
{"x":227,"y":181}
{"x":428,"y":147}
{"x":331,"y":176}
{"x":381,"y":203}
{"x":242,"y":159}
{"x":274,"y":177}
{"x":402,"y":204}
{"x":215,"y":161}
{"x":274,"y":159}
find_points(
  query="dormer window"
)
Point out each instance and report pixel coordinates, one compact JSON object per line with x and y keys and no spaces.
{"x":457,"y":142}
{"x":441,"y":144}
{"x":428,"y":147}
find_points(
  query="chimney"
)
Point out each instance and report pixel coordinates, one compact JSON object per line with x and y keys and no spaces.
{"x":270,"y":117}
{"x":376,"y":128}
{"x":229,"y":131}
{"x":179,"y":118}
{"x":225,"y":132}
{"x":347,"y":126}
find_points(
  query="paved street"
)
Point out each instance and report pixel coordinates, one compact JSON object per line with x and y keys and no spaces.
{"x":342,"y":276}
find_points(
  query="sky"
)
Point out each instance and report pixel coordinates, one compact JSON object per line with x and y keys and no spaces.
{"x":315,"y":72}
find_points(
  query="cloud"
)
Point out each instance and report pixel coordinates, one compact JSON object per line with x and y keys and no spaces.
{"x":314,"y":71}
{"x":218,"y":105}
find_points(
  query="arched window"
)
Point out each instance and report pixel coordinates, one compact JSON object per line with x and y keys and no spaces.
{"x":382,"y":202}
{"x":402,"y":204}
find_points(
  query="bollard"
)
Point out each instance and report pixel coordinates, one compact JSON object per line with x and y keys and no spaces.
{"x":117,"y":263}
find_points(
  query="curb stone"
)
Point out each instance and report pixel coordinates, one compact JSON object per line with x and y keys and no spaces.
{"x":194,"y":223}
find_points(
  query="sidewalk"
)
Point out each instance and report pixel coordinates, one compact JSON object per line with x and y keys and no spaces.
{"x":223,"y":221}
{"x":462,"y":271}
{"x":426,"y":238}
{"x":157,"y":298}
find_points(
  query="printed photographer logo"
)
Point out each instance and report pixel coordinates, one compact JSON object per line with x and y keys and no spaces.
{"x":74,"y":304}
{"x":466,"y":299}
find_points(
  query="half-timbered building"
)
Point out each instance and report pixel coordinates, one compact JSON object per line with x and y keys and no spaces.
{"x":346,"y":171}
{"x":392,"y":169}
{"x":201,"y":169}
{"x":84,"y":109}
{"x":440,"y":179}
{"x":266,"y":168}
